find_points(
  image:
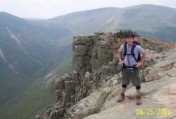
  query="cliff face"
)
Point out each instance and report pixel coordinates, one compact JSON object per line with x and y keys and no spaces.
{"x":95,"y":54}
{"x":94,"y":62}
{"x":96,"y":74}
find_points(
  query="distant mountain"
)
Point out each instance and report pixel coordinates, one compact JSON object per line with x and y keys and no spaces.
{"x":30,"y":48}
{"x":151,"y":21}
{"x":27,"y":51}
{"x":146,"y":20}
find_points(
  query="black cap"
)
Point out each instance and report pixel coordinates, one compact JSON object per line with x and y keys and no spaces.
{"x":130,"y":35}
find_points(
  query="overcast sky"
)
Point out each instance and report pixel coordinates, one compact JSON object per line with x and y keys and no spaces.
{"x":52,"y":8}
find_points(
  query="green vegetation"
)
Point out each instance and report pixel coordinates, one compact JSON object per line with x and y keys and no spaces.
{"x":38,"y":53}
{"x":123,"y":33}
{"x":35,"y":98}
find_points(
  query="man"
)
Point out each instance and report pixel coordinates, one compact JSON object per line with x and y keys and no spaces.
{"x":131,"y":66}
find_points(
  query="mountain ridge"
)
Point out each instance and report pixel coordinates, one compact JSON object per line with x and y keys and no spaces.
{"x":140,"y":18}
{"x":70,"y":21}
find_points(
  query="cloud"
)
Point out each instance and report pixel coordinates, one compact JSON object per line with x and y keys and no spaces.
{"x":52,"y":8}
{"x":45,"y":2}
{"x":153,"y":1}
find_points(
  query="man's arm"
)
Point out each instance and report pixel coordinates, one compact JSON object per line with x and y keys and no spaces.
{"x":120,"y":57}
{"x":144,"y":55}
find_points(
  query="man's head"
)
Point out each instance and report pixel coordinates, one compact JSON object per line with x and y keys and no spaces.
{"x":130,"y":38}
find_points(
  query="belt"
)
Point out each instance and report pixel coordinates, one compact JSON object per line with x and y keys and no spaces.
{"x":129,"y":67}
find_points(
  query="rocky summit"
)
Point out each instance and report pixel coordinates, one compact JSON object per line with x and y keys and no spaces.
{"x":90,"y":91}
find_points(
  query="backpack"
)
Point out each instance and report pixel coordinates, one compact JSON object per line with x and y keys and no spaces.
{"x":132,"y":51}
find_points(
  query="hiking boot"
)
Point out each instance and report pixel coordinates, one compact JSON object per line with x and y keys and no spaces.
{"x":121,"y":98}
{"x":138,"y":100}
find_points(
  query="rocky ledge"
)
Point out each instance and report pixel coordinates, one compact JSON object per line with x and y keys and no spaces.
{"x":158,"y":95}
{"x":91,"y":89}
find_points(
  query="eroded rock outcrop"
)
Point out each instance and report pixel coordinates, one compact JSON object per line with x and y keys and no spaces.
{"x":94,"y":63}
{"x":96,"y":74}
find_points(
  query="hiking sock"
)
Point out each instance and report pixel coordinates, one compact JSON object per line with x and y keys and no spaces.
{"x":123,"y":91}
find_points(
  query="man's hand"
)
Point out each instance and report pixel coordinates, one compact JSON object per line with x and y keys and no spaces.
{"x":121,"y":62}
{"x":138,"y":64}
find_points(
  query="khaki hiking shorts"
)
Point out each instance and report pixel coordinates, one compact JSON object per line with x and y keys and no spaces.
{"x":131,"y":75}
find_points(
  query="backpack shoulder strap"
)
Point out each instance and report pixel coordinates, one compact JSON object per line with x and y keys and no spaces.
{"x":132,"y":51}
{"x":125,"y":50}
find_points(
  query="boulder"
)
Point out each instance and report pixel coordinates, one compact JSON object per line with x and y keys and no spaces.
{"x":88,"y":105}
{"x":38,"y":117}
